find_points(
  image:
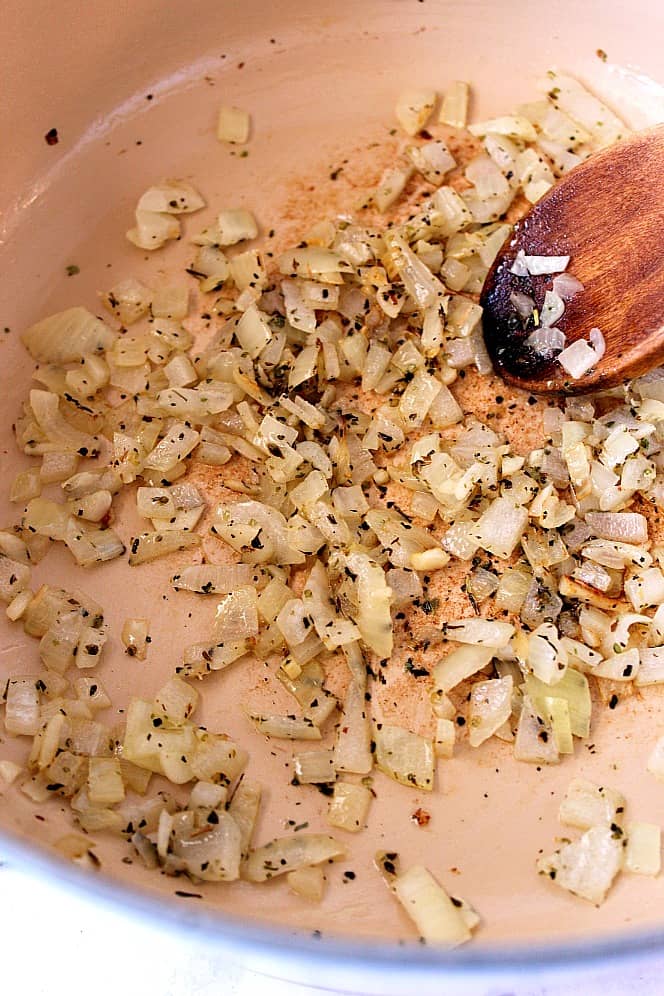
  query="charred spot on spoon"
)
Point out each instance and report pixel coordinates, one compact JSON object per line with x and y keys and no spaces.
{"x":51,"y":137}
{"x":505,"y":332}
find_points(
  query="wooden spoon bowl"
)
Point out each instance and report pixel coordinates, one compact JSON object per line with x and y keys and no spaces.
{"x":608,"y":215}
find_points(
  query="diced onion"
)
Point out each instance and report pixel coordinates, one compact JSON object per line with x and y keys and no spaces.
{"x":643,"y":854}
{"x":490,"y":707}
{"x":233,"y":125}
{"x":546,"y":341}
{"x":566,"y":286}
{"x":578,"y":358}
{"x":414,"y":108}
{"x":586,"y":867}
{"x":404,"y":756}
{"x":587,"y":805}
{"x":349,"y":806}
{"x":285,"y":854}
{"x":437,"y":917}
{"x":597,"y":342}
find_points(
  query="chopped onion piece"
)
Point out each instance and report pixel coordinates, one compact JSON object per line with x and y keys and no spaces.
{"x":22,"y":707}
{"x":414,"y":108}
{"x":308,"y":882}
{"x":213,"y":855}
{"x":286,"y":854}
{"x":566,"y":286}
{"x":349,"y":806}
{"x":153,"y":229}
{"x":537,"y":265}
{"x":500,"y":527}
{"x":535,"y":742}
{"x":651,"y":666}
{"x":236,"y":225}
{"x":128,"y":300}
{"x":643,"y":854}
{"x":597,"y":342}
{"x":490,"y":708}
{"x":404,"y":756}
{"x":233,"y":125}
{"x":454,"y":106}
{"x":353,"y":748}
{"x":573,"y":687}
{"x":151,"y":546}
{"x":67,"y":337}
{"x":432,"y":160}
{"x":171,"y":197}
{"x":625,"y":527}
{"x":481,"y":632}
{"x":546,"y":341}
{"x":438,"y":919}
{"x":578,"y":358}
{"x":523,"y":303}
{"x":286,"y":727}
{"x":513,"y":125}
{"x":459,"y":665}
{"x":552,"y":309}
{"x":547,"y":657}
{"x":314,"y":767}
{"x":587,"y":805}
{"x":105,"y":784}
{"x":9,"y":772}
{"x":588,"y":866}
{"x":178,"y":443}
{"x":237,"y":615}
{"x":374,"y":598}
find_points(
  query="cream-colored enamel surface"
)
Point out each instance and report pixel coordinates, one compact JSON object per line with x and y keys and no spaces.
{"x":320,"y":87}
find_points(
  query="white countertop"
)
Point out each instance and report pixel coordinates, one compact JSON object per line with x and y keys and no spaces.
{"x":55,"y":942}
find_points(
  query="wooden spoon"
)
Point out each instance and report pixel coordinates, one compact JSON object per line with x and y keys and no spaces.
{"x":607,"y":214}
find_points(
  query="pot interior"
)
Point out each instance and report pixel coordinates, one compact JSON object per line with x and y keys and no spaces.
{"x":134,"y":94}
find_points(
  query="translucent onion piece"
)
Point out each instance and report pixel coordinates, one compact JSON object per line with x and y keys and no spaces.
{"x":597,"y":342}
{"x":523,"y":304}
{"x":643,"y":855}
{"x":573,"y":687}
{"x":546,"y":341}
{"x":153,"y":229}
{"x":578,"y":358}
{"x":625,"y":527}
{"x":233,"y":125}
{"x":547,"y":657}
{"x":285,"y":854}
{"x":374,"y":598}
{"x":414,"y":108}
{"x":566,"y":286}
{"x":151,"y":546}
{"x":286,"y":727}
{"x":454,"y":106}
{"x":438,"y":919}
{"x":67,"y":337}
{"x":349,"y":806}
{"x":352,"y":752}
{"x":459,"y":665}
{"x":235,"y":225}
{"x":314,"y":767}
{"x":490,"y":708}
{"x":588,"y":866}
{"x":587,"y":805}
{"x":535,"y":742}
{"x":404,"y":756}
{"x":171,"y":197}
{"x":22,"y":707}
